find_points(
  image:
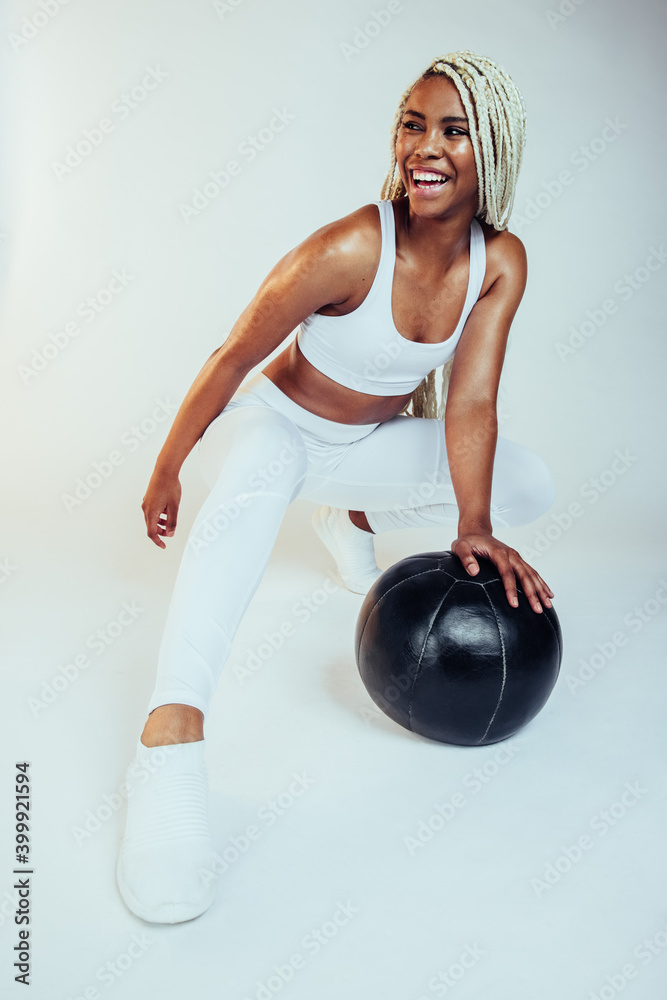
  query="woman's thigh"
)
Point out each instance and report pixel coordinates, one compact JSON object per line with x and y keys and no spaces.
{"x":253,"y":448}
{"x":403,"y":463}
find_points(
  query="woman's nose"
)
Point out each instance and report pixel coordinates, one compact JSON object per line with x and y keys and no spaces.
{"x":431,"y":143}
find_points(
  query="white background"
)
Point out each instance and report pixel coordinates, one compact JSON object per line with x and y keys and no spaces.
{"x":68,"y":571}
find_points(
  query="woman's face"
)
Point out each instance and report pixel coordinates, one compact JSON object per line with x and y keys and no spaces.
{"x":433,"y":137}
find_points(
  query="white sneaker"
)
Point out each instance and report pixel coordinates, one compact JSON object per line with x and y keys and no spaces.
{"x":166,"y":857}
{"x":351,"y":547}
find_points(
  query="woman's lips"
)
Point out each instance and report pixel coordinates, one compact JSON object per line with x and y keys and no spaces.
{"x":425,"y":187}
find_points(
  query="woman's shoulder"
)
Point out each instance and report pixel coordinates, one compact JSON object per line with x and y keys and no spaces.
{"x":335,"y":261}
{"x":350,"y":245}
{"x":505,"y":252}
{"x":501,"y":242}
{"x":357,"y":233}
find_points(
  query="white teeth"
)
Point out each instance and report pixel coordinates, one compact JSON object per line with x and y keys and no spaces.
{"x":425,"y":175}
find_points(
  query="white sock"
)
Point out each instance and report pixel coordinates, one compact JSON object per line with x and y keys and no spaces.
{"x":351,"y":547}
{"x":167,"y":851}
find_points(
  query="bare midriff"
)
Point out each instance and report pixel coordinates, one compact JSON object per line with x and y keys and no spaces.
{"x":310,"y":388}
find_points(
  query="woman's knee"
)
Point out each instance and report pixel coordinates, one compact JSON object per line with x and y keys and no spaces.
{"x":257,"y":447}
{"x":526,"y":489}
{"x":542,"y":488}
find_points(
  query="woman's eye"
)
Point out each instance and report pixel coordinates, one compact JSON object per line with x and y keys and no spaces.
{"x":450,"y":130}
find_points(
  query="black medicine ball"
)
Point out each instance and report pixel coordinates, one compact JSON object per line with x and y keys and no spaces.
{"x":444,"y":654}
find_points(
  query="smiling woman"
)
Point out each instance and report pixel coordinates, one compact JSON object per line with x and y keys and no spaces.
{"x":491,"y":115}
{"x":428,"y":275}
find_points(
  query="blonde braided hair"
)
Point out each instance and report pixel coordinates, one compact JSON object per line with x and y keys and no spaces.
{"x":497,"y":121}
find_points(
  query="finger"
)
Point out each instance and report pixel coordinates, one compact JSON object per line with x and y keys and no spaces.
{"x":543,"y":591}
{"x":465,"y":554}
{"x":529,"y":588}
{"x":543,"y":586}
{"x":156,"y":538}
{"x":167,"y":522}
{"x":509,"y":581}
{"x":504,"y":567}
{"x":171,"y":518}
{"x":527,"y":575}
{"x":152,"y":530}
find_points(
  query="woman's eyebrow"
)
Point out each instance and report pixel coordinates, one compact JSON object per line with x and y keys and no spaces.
{"x":447,"y":118}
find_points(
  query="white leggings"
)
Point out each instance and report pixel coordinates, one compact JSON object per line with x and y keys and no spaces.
{"x":263,"y":451}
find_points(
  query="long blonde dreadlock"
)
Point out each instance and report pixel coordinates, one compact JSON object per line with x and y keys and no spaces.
{"x":497,"y":121}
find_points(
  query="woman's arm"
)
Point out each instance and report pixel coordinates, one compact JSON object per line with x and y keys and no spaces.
{"x":471,"y":424}
{"x":471,"y":433}
{"x":319,"y":271}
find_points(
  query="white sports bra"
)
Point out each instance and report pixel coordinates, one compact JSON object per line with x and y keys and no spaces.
{"x":363,"y":350}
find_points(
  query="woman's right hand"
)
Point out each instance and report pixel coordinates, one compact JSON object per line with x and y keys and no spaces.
{"x":160,"y":506}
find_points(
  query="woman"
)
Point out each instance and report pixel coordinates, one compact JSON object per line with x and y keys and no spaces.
{"x":382,"y":303}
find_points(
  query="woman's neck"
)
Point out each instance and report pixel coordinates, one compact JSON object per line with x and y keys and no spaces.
{"x":431,"y":243}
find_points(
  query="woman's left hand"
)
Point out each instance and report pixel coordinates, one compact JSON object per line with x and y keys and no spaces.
{"x":508,"y":561}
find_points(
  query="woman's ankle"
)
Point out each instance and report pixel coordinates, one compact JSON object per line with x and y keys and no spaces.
{"x":173,"y":723}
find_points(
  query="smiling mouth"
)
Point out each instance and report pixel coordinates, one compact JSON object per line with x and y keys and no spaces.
{"x":428,"y":179}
